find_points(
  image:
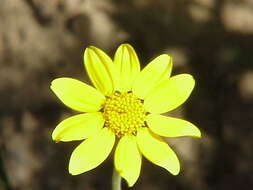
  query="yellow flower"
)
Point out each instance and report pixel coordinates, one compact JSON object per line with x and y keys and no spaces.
{"x":126,"y":105}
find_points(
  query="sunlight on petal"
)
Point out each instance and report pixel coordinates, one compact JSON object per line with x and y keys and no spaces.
{"x":171,"y":127}
{"x":78,"y":127}
{"x":170,"y":94}
{"x":128,"y":65}
{"x":154,"y":73}
{"x":101,"y":70}
{"x":77,"y":95}
{"x":91,"y":152}
{"x":157,"y":151}
{"x":127,"y":159}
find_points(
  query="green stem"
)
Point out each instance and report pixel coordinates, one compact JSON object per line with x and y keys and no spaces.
{"x":116,"y":180}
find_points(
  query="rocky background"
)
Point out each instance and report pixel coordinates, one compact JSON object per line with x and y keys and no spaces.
{"x":44,"y":39}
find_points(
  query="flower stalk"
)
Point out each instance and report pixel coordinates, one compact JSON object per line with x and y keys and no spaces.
{"x":116,"y":180}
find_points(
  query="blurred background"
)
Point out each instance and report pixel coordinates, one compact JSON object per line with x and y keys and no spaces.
{"x":44,"y":39}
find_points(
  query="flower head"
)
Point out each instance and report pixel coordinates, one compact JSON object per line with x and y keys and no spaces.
{"x":126,"y":105}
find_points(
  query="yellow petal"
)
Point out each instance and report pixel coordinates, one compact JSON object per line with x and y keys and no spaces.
{"x":171,"y":127}
{"x":170,"y":94}
{"x":155,"y":72}
{"x":128,"y":66}
{"x":157,"y":151}
{"x":78,"y":127}
{"x":92,"y":152}
{"x":77,"y":95}
{"x":101,"y":70}
{"x":127,"y":159}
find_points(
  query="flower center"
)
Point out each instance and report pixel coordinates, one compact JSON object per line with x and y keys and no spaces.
{"x":124,"y":113}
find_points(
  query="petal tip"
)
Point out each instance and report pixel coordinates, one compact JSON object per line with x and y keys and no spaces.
{"x":165,"y":56}
{"x":56,"y":82}
{"x":190,"y":77}
{"x":53,"y":83}
{"x":126,"y":45}
{"x":198,"y":135}
{"x":55,"y":138}
{"x":129,"y":180}
{"x":174,"y":170}
{"x":130,"y":183}
{"x":88,"y":50}
{"x":175,"y":173}
{"x":73,"y":172}
{"x":92,"y":49}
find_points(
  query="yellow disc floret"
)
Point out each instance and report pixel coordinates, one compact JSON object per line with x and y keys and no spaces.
{"x":124,"y":113}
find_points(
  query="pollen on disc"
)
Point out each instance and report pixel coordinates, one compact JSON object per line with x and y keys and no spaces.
{"x":124,"y":113}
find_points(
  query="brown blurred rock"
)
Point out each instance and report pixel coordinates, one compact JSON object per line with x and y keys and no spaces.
{"x":200,"y":13}
{"x":245,"y":85}
{"x":205,"y":3}
{"x":238,"y":17}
